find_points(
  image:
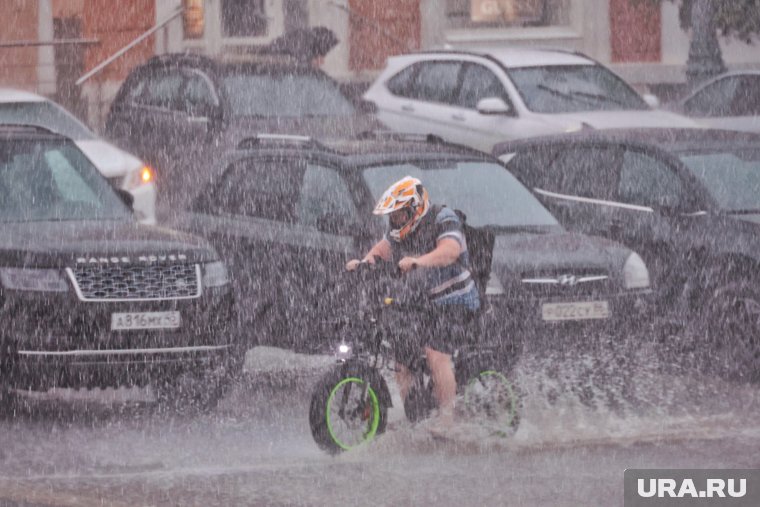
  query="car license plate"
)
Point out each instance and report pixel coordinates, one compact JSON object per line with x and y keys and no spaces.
{"x":575,"y":311}
{"x":145,"y":320}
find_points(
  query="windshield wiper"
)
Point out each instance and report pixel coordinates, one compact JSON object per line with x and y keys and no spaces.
{"x":533,"y":229}
{"x":579,"y":95}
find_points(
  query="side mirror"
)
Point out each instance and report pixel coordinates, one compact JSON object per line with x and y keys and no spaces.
{"x":332,"y":223}
{"x":366,"y":107}
{"x":127,"y":198}
{"x":651,"y":100}
{"x":493,"y":105}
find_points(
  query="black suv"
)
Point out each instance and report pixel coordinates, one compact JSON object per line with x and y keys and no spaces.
{"x":180,"y":112}
{"x":688,"y":200}
{"x":288,"y":213}
{"x":91,"y":298}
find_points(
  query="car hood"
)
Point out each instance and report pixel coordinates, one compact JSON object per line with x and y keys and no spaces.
{"x":625,"y":119}
{"x":111,"y":161}
{"x":61,"y":244}
{"x":320,"y":127}
{"x":555,"y":254}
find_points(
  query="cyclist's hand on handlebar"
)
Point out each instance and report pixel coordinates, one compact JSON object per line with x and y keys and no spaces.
{"x":407,"y":264}
{"x":354,"y":263}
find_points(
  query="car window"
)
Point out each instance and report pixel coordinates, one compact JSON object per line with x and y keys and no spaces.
{"x":485,"y":191}
{"x":45,"y":114}
{"x":478,"y":82}
{"x":437,"y":82}
{"x":402,"y":84}
{"x":197,"y":93}
{"x":325,"y":202}
{"x":731,"y":176}
{"x":573,"y":88}
{"x":584,"y":172}
{"x":54,"y":181}
{"x":646,"y":181}
{"x":261,"y":189}
{"x":746,"y":100}
{"x":159,"y":89}
{"x":285,"y":95}
{"x":714,"y":99}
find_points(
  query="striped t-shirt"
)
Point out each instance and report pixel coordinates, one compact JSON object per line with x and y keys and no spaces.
{"x":452,"y":284}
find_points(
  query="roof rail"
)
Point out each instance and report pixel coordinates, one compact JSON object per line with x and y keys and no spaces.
{"x":258,"y":140}
{"x":25,"y":128}
{"x":400,"y":136}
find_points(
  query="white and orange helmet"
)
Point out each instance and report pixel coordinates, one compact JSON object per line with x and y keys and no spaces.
{"x":406,"y":195}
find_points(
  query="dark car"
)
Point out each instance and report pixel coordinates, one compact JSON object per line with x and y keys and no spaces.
{"x":91,"y":298}
{"x":180,"y":112}
{"x":288,"y":213}
{"x":688,"y":200}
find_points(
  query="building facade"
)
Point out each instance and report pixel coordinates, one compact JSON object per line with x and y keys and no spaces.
{"x":641,"y":40}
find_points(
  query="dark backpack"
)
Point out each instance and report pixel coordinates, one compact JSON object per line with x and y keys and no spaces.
{"x":480,"y":243}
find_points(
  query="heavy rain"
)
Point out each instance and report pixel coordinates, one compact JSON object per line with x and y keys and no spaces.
{"x":391,"y":252}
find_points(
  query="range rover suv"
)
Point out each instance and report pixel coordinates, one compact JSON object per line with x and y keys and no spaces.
{"x":89,"y":297}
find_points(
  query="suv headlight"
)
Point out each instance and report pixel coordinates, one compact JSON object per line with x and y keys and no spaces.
{"x":635,"y":272}
{"x":215,"y":274}
{"x":39,"y":280}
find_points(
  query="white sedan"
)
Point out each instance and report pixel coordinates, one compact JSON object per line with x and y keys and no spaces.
{"x":482,"y":97}
{"x":122,"y":169}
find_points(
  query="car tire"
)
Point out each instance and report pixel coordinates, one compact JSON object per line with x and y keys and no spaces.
{"x":731,"y":347}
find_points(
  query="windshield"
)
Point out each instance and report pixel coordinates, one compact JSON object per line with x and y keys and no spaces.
{"x":288,"y":95}
{"x":46,"y":115}
{"x":53,"y":180}
{"x":573,"y":88}
{"x":486,"y":192}
{"x":731,"y":177}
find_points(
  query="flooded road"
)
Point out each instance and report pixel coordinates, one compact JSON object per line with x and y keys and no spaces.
{"x":579,"y":432}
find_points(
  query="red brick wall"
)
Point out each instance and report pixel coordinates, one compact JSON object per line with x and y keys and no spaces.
{"x":635,"y":27}
{"x":116,"y":24}
{"x":18,"y":66}
{"x":381,"y":28}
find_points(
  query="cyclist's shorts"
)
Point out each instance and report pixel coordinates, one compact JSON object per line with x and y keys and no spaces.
{"x":444,"y":329}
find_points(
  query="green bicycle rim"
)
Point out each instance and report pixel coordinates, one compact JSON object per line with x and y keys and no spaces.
{"x":375,"y":414}
{"x":506,"y":382}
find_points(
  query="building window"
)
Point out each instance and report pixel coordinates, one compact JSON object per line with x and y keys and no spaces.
{"x":506,"y":13}
{"x":244,"y":18}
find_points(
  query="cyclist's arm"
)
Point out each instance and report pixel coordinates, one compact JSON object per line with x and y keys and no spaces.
{"x":446,"y":252}
{"x":381,"y":249}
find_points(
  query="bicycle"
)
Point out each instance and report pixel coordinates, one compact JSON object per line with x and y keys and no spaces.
{"x":349,"y":405}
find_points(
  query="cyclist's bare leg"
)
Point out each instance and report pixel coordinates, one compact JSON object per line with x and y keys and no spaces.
{"x":403,"y":380}
{"x":445,"y":383}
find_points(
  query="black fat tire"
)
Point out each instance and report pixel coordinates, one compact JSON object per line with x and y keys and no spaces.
{"x":420,"y":401}
{"x":322,"y":393}
{"x":731,"y":347}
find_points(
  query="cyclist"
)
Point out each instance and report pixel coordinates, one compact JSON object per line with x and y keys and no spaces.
{"x":429,"y":238}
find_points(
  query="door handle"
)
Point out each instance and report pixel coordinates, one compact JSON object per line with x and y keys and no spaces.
{"x":408,"y":108}
{"x":457,"y":117}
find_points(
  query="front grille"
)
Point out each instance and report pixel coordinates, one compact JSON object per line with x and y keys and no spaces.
{"x":565,"y":283}
{"x":136,"y":283}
